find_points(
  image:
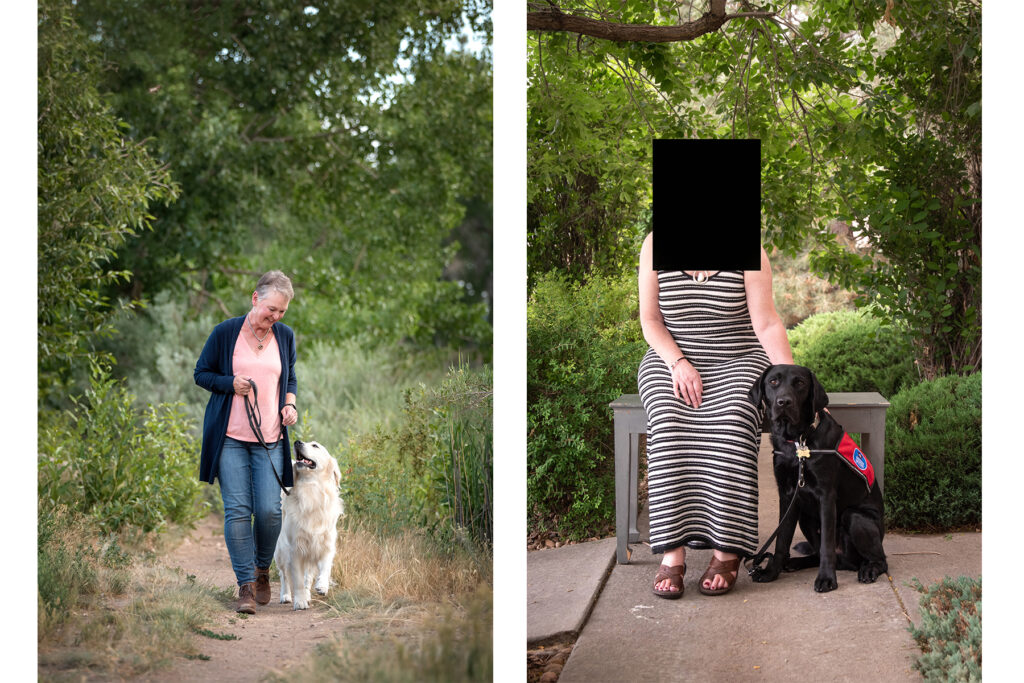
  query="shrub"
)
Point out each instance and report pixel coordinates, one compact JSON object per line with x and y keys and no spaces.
{"x":434,"y":468}
{"x":349,"y":388}
{"x":457,"y":417}
{"x":584,"y":346}
{"x":372,"y":465}
{"x":853,"y":351}
{"x":122,"y":466}
{"x":156,"y":351}
{"x":933,"y":454}
{"x":950,"y":633}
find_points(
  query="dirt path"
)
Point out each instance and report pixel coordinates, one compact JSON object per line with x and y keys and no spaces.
{"x":271,"y":640}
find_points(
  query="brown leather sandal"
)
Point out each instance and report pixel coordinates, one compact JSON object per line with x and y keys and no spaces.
{"x":675,"y":576}
{"x":720,"y":567}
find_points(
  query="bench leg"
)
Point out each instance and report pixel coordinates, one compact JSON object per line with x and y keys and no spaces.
{"x":622,"y":480}
{"x":634,"y":488}
{"x":873,"y":443}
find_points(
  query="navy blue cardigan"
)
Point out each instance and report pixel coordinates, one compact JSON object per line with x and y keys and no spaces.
{"x":214,"y":373}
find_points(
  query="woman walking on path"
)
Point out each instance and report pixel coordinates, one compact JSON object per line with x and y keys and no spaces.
{"x":254,"y":347}
{"x":711,"y":335}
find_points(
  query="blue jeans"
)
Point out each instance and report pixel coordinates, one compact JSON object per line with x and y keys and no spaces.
{"x":252,"y":505}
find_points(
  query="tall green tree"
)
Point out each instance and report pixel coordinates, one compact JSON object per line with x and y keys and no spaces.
{"x":600,"y":95}
{"x":867,"y":112}
{"x":588,"y":140}
{"x":380,"y":260}
{"x":914,"y":183}
{"x":96,"y":187}
{"x":292,"y":131}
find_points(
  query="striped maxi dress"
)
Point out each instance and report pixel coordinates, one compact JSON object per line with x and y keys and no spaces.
{"x":702,"y":463}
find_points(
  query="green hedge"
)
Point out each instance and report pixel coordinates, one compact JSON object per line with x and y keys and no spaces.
{"x":584,"y":345}
{"x":853,"y":351}
{"x":933,"y":455}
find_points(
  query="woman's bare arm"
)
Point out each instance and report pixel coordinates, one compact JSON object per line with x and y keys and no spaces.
{"x":765,"y":319}
{"x":651,"y":322}
{"x":686,"y":382}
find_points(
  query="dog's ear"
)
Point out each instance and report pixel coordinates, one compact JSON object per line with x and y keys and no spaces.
{"x":335,"y":472}
{"x":756,"y":393}
{"x":819,"y":399}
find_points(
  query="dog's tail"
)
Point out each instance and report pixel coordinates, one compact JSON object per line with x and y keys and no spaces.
{"x":804,"y":548}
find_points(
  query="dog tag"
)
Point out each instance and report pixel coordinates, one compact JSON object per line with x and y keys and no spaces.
{"x":803,"y":452}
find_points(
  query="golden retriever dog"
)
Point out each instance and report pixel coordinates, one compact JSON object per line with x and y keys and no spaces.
{"x":309,"y":525}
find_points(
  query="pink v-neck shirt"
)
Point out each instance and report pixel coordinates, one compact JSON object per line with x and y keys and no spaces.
{"x":265,"y":369}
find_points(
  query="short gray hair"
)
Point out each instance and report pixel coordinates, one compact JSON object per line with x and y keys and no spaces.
{"x":274,"y":280}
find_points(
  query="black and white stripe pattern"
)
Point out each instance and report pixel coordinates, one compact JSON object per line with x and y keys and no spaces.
{"x":702,"y":463}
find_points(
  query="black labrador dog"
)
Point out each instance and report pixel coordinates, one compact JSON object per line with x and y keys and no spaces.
{"x":835,"y":508}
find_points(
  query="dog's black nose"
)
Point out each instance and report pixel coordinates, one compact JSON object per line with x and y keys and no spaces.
{"x":783,"y":401}
{"x":299,"y":443}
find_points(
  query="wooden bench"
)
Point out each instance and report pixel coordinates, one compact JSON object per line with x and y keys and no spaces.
{"x":862,"y":412}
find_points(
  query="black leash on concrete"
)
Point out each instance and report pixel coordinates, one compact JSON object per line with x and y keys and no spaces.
{"x":801,"y":455}
{"x":252,"y":412}
{"x":762,"y":554}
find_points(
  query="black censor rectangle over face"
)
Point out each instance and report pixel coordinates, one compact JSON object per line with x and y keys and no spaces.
{"x":707,"y":204}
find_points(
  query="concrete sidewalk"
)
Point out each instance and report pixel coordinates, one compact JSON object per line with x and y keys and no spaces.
{"x":776,"y":631}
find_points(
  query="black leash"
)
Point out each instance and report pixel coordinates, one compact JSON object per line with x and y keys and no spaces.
{"x":801,"y":455}
{"x":252,"y":412}
{"x":762,"y":554}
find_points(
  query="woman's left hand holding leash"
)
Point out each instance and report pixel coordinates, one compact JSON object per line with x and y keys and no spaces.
{"x":289,"y":415}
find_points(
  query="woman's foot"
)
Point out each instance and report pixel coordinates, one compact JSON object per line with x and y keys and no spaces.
{"x":720,"y":575}
{"x":669,"y":584}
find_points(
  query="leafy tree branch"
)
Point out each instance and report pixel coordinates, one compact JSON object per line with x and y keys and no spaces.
{"x":552,"y":18}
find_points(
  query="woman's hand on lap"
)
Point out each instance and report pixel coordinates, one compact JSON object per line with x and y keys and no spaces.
{"x":686,"y":384}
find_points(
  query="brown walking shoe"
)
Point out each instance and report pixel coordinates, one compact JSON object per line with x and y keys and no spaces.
{"x":262,"y":590}
{"x":246,"y":604}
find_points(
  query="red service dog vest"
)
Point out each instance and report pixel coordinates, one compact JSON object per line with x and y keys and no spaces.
{"x":849,"y":451}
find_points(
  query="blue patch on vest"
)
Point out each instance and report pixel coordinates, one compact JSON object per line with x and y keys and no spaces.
{"x":855,"y":458}
{"x":859,"y":460}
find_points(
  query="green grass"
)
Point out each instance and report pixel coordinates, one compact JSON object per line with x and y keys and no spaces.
{"x":346,"y":389}
{"x":212,"y":634}
{"x":108,"y":611}
{"x":438,"y":642}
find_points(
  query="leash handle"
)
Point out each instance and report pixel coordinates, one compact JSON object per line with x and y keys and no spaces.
{"x":252,"y":413}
